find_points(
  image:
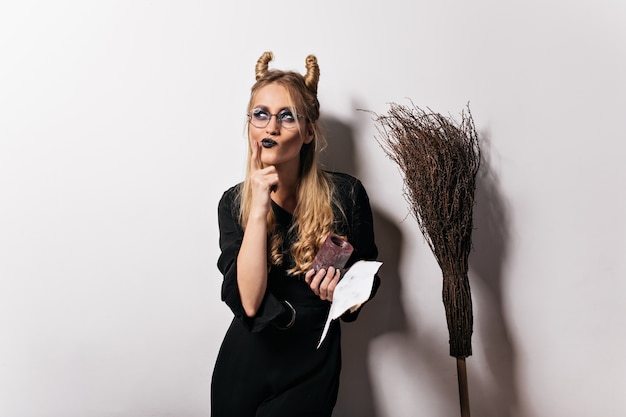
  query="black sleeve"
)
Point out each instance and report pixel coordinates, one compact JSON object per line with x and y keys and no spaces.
{"x":361,"y":235}
{"x":231,"y":236}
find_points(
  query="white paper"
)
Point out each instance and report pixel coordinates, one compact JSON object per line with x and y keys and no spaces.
{"x":352,"y":290}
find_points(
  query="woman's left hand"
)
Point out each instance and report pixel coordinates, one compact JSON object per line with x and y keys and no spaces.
{"x":324,"y":282}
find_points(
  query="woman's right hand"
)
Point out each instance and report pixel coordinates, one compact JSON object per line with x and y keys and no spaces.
{"x":252,"y":257}
{"x":263,"y":180}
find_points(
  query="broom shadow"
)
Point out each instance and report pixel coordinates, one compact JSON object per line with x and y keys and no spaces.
{"x":490,"y":241}
{"x":384,"y":318}
{"x":384,"y":313}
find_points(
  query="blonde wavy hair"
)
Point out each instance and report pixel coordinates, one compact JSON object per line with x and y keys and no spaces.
{"x":314,"y":217}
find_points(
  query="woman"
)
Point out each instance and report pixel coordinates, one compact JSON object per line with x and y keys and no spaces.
{"x":271,"y":226}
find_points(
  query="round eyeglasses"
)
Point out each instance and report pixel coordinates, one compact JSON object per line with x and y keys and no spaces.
{"x":261,"y":118}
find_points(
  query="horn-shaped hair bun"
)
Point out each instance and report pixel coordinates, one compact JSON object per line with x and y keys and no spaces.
{"x":262,"y":65}
{"x":312,"y":76}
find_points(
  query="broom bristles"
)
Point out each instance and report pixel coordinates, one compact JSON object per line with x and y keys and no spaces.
{"x":439,"y":160}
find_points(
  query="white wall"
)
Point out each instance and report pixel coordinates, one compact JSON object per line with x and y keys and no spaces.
{"x":121,"y":124}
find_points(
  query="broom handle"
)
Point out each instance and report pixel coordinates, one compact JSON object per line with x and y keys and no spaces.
{"x":463,"y":390}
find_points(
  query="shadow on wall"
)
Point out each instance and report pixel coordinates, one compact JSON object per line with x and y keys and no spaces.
{"x":384,"y":313}
{"x":490,"y":240}
{"x":384,"y":318}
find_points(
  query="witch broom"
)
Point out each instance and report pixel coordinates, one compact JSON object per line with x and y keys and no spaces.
{"x":439,"y":159}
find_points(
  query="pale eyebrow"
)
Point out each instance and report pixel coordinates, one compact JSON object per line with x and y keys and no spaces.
{"x":265,"y":108}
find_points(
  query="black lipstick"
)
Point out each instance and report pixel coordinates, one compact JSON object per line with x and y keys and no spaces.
{"x":268,"y":143}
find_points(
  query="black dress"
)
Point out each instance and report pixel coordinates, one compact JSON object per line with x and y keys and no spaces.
{"x":263,"y":370}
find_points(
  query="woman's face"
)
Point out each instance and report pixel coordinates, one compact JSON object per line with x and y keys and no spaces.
{"x":278,"y":144}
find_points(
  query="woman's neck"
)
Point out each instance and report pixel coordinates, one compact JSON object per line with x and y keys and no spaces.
{"x":285,"y":195}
